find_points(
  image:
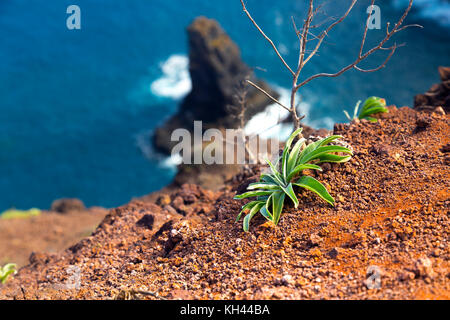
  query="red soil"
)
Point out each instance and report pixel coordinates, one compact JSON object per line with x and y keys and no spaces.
{"x":391,"y":216}
{"x":50,"y":232}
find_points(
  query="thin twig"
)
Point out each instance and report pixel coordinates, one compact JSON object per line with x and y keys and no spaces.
{"x":366,"y":28}
{"x":268,"y":95}
{"x":266,"y":37}
{"x":360,"y":58}
{"x":326,"y":31}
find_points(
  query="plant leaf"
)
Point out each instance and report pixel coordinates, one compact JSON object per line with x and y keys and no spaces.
{"x":347,"y":115}
{"x":247,"y":206}
{"x":373,"y":101}
{"x":294,"y":155}
{"x":266,"y":214}
{"x":333,"y":158}
{"x":254,"y":193}
{"x":287,"y":147}
{"x":249,"y":216}
{"x":309,"y":148}
{"x":355,"y":111}
{"x":277,"y":206}
{"x":284,"y":163}
{"x":323,"y":150}
{"x":292,"y":137}
{"x":371,"y":119}
{"x":327,"y":140}
{"x":6,"y":271}
{"x":291,"y":194}
{"x":371,"y":106}
{"x":373,"y":110}
{"x":302,"y":167}
{"x":314,"y":146}
{"x":263,"y":185}
{"x":275,"y":174}
{"x":269,"y":178}
{"x":312,"y":184}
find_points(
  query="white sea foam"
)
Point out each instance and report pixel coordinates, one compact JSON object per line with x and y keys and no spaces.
{"x":172,"y":162}
{"x":175,"y":82}
{"x":143,"y":142}
{"x":267,"y":125}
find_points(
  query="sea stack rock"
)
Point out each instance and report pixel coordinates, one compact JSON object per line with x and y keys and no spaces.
{"x":437,"y":96}
{"x":67,"y":205}
{"x":216,"y":70}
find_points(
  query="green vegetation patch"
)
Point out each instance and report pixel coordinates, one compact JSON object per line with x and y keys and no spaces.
{"x":20,"y":214}
{"x":6,"y":271}
{"x":370,"y":107}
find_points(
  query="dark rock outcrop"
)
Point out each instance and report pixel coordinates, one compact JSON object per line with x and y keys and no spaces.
{"x":66,"y":205}
{"x":147,"y":221}
{"x":216,"y":69}
{"x":437,"y":96}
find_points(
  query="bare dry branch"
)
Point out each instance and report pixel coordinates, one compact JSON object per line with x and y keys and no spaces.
{"x":268,"y":95}
{"x":363,"y":41}
{"x":304,"y":35}
{"x":410,"y":26}
{"x":381,"y":66}
{"x":362,"y":57}
{"x":326,"y":31}
{"x":304,"y":38}
{"x":266,"y":37}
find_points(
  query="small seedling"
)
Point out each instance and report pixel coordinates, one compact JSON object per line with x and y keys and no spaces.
{"x":371,"y":106}
{"x":272,"y":189}
{"x":6,"y":271}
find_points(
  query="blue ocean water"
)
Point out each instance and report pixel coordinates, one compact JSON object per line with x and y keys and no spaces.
{"x":77,"y":106}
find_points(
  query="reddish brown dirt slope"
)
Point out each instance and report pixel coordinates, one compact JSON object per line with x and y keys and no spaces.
{"x":48,"y":232}
{"x":390,"y":222}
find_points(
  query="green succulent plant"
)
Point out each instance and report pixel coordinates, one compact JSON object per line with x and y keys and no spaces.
{"x":273,"y":188}
{"x":6,"y":271}
{"x":371,"y":106}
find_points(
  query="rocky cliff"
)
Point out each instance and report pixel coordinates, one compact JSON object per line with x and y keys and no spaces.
{"x":438,"y":96}
{"x":390,"y":221}
{"x":216,"y":71}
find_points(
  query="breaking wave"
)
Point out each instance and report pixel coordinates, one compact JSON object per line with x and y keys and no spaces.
{"x":175,"y":82}
{"x":268,"y":124}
